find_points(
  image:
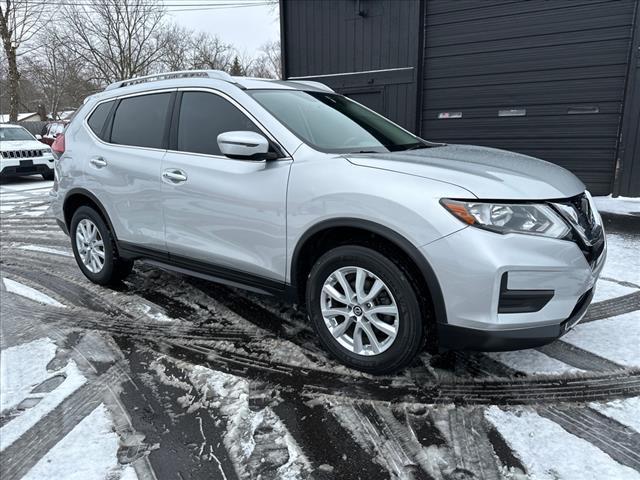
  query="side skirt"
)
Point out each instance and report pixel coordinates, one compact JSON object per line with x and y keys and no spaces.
{"x":207,"y":271}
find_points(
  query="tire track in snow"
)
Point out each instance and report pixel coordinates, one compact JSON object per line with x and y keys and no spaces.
{"x":612,"y":307}
{"x":472,"y":453}
{"x":579,"y":358}
{"x":618,"y":441}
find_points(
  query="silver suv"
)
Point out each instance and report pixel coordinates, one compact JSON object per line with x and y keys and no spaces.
{"x":289,"y":189}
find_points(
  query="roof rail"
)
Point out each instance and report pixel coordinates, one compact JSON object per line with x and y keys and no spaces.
{"x":215,"y":74}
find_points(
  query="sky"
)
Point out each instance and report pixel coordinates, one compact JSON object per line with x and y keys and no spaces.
{"x":246,"y":27}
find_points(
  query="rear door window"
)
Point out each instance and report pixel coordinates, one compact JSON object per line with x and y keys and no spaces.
{"x":203,"y":116}
{"x":140,"y":121}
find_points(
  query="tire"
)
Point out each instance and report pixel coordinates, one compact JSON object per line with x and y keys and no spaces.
{"x":409,"y":328}
{"x":48,"y":176}
{"x":114,"y":269}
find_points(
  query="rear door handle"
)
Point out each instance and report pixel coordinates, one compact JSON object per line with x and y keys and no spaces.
{"x":174,"y":176}
{"x":98,"y":162}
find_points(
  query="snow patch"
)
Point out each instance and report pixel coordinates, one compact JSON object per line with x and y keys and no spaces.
{"x":533,"y":362}
{"x":31,"y":293}
{"x":550,"y":452}
{"x":21,"y":368}
{"x":619,"y":205}
{"x":608,"y":289}
{"x":89,"y":451}
{"x":154,"y":312}
{"x":229,"y":394}
{"x":614,"y":338}
{"x":626,"y":411}
{"x":53,"y":251}
{"x":623,"y":260}
{"x":15,"y":428}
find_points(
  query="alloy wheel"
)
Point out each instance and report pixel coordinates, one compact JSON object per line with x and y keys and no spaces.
{"x":90,"y":245}
{"x":359,"y":311}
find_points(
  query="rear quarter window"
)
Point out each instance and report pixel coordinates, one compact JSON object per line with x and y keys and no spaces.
{"x":97,"y":119}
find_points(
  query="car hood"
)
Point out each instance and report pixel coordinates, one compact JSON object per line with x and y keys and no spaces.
{"x":8,"y":145}
{"x":487,"y":173}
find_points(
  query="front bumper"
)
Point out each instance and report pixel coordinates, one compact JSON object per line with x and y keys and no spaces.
{"x":461,"y":338}
{"x":21,"y":167}
{"x":476,"y":267}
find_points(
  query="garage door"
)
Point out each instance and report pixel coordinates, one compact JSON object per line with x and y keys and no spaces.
{"x":538,"y":77}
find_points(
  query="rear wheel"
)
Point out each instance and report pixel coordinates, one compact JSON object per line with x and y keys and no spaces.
{"x":365,"y":309}
{"x":95,"y":250}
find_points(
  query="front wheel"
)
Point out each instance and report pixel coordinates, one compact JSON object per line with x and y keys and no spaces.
{"x":365,"y":310}
{"x":94,"y":248}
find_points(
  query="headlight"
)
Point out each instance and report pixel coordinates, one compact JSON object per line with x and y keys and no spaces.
{"x":528,"y":218}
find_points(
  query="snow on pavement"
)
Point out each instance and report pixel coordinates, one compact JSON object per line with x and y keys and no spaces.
{"x":53,"y":251}
{"x":614,"y":338}
{"x":551,"y":453}
{"x":23,"y":368}
{"x":533,"y":362}
{"x":619,"y":205}
{"x":625,"y":411}
{"x":93,"y":438}
{"x":607,"y":289}
{"x":230,"y":394}
{"x":623,"y":258}
{"x":31,"y":293}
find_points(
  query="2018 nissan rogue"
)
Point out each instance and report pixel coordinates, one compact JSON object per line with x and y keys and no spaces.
{"x":287,"y":188}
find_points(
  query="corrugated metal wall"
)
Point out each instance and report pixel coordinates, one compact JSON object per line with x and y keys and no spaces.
{"x":555,"y":70}
{"x":628,"y":183}
{"x":378,"y":38}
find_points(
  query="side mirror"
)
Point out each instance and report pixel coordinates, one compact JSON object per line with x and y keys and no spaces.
{"x":38,"y":137}
{"x":243,"y":145}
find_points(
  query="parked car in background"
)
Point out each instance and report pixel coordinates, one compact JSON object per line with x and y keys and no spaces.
{"x":51,"y":130}
{"x":287,"y":188}
{"x":21,"y":154}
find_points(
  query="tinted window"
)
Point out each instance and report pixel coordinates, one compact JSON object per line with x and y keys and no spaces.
{"x":203,"y":116}
{"x":139,"y":121}
{"x":95,"y":121}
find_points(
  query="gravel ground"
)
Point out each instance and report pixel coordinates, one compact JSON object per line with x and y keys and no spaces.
{"x":173,"y":377}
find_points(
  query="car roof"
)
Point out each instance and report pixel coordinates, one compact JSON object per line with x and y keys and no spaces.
{"x":11,"y":125}
{"x":197,"y":78}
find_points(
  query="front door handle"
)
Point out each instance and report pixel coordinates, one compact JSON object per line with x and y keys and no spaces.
{"x":174,"y":175}
{"x":98,"y":162}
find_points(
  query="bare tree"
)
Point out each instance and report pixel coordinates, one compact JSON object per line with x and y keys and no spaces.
{"x":178,"y":48}
{"x":209,"y":52}
{"x":183,"y":50}
{"x":115,"y":39}
{"x":57,"y":77}
{"x":19,"y":21}
{"x":267,"y":63}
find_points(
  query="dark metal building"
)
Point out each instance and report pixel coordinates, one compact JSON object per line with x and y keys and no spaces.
{"x":559,"y":80}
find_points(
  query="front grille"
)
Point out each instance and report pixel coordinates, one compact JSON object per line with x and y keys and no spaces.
{"x":22,"y":153}
{"x":585,"y":231}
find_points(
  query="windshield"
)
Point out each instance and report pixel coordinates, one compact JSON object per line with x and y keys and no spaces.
{"x":335,"y":124}
{"x":9,"y":134}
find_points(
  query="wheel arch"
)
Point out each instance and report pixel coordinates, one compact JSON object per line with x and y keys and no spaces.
{"x":77,"y":197}
{"x":341,"y":231}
